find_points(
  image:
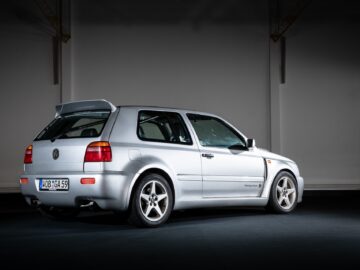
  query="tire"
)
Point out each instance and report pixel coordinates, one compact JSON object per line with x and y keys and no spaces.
{"x":56,"y":213}
{"x":152,"y":202}
{"x":284,"y":194}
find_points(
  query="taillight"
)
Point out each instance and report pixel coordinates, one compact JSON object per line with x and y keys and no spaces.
{"x":28,"y":155}
{"x":87,"y":181}
{"x":98,"y":152}
{"x":24,"y":181}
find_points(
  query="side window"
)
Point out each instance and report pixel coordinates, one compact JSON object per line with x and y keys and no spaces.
{"x":213,"y":132}
{"x":159,"y":126}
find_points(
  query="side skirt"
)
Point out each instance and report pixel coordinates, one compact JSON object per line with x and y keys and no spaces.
{"x":221,"y":202}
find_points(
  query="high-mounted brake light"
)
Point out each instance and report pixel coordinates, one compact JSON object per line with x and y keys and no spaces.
{"x":28,"y":155}
{"x":98,"y":152}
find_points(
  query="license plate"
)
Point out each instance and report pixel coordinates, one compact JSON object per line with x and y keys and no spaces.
{"x":54,"y":184}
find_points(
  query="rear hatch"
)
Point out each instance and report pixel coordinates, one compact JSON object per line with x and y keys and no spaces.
{"x":61,"y":146}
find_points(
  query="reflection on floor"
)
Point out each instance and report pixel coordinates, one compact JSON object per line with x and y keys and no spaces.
{"x":324,"y":231}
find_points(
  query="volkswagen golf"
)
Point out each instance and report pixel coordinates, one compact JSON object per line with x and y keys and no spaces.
{"x":148,"y":161}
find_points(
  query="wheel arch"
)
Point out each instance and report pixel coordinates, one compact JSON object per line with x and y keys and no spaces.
{"x":142,"y":173}
{"x":288,"y":171}
{"x":273,"y":171}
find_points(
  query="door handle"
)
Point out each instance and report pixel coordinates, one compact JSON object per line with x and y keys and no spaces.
{"x":207,"y":155}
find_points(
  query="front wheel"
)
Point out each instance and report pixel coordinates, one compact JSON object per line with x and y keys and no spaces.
{"x":152,"y":202}
{"x":283,"y":194}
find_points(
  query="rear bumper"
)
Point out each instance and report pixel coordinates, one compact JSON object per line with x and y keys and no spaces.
{"x":110,"y":191}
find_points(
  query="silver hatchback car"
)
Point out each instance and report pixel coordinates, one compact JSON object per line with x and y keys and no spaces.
{"x":148,"y":161}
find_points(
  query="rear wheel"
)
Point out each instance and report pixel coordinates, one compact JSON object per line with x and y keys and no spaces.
{"x":152,"y":202}
{"x":57,"y":213}
{"x":283,"y":194}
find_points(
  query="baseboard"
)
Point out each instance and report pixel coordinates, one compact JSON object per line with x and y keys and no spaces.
{"x":9,"y":189}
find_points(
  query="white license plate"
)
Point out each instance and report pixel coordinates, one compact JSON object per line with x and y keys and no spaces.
{"x":54,"y":184}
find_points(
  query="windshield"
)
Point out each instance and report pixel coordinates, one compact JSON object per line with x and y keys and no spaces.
{"x":75,"y":125}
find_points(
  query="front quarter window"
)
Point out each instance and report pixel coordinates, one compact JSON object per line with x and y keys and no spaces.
{"x":213,"y":132}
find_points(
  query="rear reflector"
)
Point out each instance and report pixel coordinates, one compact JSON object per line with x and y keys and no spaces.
{"x":87,"y":181}
{"x":28,"y":155}
{"x":98,"y":152}
{"x":24,"y":181}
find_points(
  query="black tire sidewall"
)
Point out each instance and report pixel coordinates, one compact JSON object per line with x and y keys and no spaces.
{"x":273,"y":203}
{"x":136,"y":216}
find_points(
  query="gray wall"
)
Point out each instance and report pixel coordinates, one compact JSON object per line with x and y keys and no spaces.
{"x":27,"y":95}
{"x":227,"y":68}
{"x":221,"y":69}
{"x":320,"y":102}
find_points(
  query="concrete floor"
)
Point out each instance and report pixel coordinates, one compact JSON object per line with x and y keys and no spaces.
{"x":324,"y":231}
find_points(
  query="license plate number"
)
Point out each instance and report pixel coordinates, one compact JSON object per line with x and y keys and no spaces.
{"x":54,"y":184}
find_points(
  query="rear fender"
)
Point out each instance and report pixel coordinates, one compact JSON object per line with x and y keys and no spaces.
{"x":148,"y":163}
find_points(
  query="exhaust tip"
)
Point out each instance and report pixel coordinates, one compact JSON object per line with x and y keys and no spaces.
{"x":88,"y":204}
{"x":35,"y":202}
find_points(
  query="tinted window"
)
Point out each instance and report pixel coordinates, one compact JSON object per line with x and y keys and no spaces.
{"x":162,"y":127}
{"x":214,"y":132}
{"x":75,"y":125}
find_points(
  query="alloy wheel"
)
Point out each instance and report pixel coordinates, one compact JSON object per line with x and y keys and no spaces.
{"x":286,"y":192}
{"x":154,"y":200}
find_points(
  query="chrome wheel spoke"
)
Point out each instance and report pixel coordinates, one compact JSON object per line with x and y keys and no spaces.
{"x":145,"y":197}
{"x":153,"y":187}
{"x":285,"y":183}
{"x":279,"y":189}
{"x":158,"y":210}
{"x":280,"y":200}
{"x":291,"y":191}
{"x":161,"y":197}
{"x":148,"y":210}
{"x":287,"y":201}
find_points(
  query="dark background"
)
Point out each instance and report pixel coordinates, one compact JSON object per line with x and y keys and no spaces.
{"x":284,"y":72}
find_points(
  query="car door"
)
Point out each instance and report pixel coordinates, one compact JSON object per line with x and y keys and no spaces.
{"x":229,"y":168}
{"x":167,"y":140}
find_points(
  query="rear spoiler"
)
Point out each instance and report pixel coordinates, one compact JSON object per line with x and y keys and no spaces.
{"x":85,"y":105}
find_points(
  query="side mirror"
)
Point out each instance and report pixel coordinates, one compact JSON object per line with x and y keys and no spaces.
{"x":251,"y":143}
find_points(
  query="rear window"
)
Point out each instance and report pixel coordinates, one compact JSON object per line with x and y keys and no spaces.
{"x":75,"y":125}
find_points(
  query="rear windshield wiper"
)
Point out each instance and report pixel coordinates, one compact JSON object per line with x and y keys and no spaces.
{"x":58,"y":136}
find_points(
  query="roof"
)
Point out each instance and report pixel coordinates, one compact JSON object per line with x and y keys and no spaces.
{"x":102,"y":104}
{"x":148,"y":107}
